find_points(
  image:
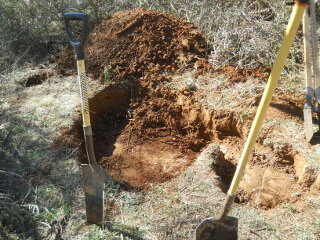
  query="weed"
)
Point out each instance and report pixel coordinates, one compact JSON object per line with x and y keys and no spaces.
{"x":244,"y":116}
{"x":127,"y":231}
{"x":151,"y":93}
{"x":112,"y":189}
{"x":305,"y":233}
{"x":18,"y":129}
{"x":268,"y":142}
{"x":107,"y":74}
{"x":101,"y":235}
{"x":316,"y":224}
{"x":313,"y":160}
{"x":290,"y":207}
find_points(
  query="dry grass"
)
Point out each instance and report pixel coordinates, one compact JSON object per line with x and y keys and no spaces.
{"x":244,"y":33}
{"x":37,"y":193}
{"x":45,"y":198}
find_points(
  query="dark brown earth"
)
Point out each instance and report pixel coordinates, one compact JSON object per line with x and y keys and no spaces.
{"x":146,"y":133}
{"x":36,"y":77}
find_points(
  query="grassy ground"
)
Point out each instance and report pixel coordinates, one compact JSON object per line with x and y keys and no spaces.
{"x":41,"y":186}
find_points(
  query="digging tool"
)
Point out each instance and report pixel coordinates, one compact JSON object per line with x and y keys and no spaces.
{"x":312,"y":87}
{"x":307,"y":111}
{"x":93,"y":175}
{"x":225,"y":227}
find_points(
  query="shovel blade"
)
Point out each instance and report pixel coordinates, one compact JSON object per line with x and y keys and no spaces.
{"x":94,"y":179}
{"x":211,"y":229}
{"x":307,"y":115}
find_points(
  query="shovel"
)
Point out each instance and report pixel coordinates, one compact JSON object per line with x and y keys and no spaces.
{"x":93,"y":175}
{"x":225,"y":227}
{"x":312,"y":87}
{"x":307,"y":110}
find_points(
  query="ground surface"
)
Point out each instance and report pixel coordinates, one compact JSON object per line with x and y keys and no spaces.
{"x":169,"y":129}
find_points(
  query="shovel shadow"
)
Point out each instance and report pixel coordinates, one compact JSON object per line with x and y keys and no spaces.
{"x":127,"y":231}
{"x":316,"y":138}
{"x":294,"y":110}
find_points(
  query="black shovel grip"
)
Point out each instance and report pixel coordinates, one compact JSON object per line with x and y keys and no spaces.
{"x":78,"y":46}
{"x":302,"y":2}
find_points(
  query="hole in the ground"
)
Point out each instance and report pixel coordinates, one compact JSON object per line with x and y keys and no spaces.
{"x":224,"y":168}
{"x":151,"y":141}
{"x":267,"y":186}
{"x":109,"y":114}
{"x":142,"y":143}
{"x":275,"y":175}
{"x":138,"y":146}
{"x":36,"y":78}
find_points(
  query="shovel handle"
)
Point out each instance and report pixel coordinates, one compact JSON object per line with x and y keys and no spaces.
{"x":78,"y":46}
{"x":294,"y":22}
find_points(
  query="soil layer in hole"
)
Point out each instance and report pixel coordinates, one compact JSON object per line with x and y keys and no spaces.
{"x":144,"y":162}
{"x":36,"y":78}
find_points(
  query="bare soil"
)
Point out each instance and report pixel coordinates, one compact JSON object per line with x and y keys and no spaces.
{"x":146,"y":132}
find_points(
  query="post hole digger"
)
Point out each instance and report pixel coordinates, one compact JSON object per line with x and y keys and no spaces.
{"x":93,"y":175}
{"x":312,"y":84}
{"x":225,"y":227}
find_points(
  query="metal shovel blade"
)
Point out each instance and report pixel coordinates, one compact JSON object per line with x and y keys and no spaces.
{"x":94,"y":179}
{"x":211,"y":229}
{"x":307,"y":115}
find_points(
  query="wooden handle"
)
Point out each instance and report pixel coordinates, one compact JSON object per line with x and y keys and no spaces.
{"x":83,"y":83}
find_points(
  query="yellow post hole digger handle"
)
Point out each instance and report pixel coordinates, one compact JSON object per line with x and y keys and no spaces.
{"x":290,"y":33}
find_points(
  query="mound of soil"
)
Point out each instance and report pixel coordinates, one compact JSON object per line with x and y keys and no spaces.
{"x":134,"y":43}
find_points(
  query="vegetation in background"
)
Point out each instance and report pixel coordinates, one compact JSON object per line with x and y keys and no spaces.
{"x":244,"y":33}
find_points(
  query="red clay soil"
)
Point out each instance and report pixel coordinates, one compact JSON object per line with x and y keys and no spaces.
{"x":133,"y":43}
{"x":237,"y":74}
{"x":146,"y":133}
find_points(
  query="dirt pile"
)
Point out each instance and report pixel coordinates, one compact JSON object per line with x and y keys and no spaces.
{"x":136,"y":43}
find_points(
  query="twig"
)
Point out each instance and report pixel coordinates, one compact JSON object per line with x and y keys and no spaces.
{"x":129,"y":26}
{"x":129,"y":139}
{"x":256,"y":233}
{"x":3,"y":234}
{"x":10,"y":173}
{"x":4,"y":142}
